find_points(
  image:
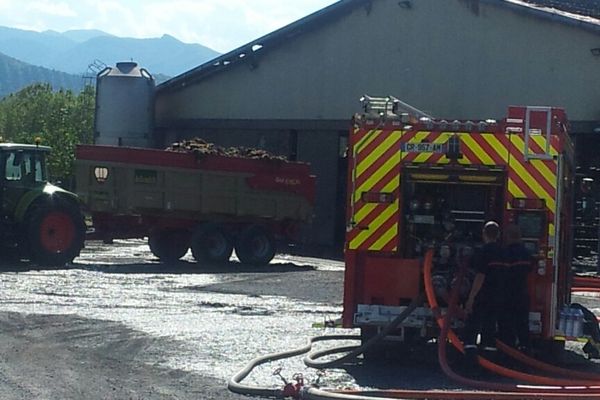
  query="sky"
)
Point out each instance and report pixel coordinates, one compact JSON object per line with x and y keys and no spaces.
{"x":222,"y":25}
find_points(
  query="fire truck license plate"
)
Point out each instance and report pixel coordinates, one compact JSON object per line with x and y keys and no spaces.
{"x":423,"y":148}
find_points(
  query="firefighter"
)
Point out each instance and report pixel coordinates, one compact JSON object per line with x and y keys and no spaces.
{"x":483,"y":306}
{"x":513,"y":326}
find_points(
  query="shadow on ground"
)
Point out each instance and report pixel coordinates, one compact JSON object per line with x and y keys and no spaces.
{"x":156,"y":267}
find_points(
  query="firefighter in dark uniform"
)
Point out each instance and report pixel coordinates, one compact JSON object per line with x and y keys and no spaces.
{"x":483,"y":304}
{"x":513,"y":324}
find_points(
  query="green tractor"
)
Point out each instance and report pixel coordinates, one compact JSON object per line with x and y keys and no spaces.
{"x":38,"y":221}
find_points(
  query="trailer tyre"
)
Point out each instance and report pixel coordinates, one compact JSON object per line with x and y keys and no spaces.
{"x":255,"y":246}
{"x":211,"y":243}
{"x":55,"y":234}
{"x":168,"y":245}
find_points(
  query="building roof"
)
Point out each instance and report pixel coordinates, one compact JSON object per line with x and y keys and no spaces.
{"x":584,"y":14}
{"x":589,"y":8}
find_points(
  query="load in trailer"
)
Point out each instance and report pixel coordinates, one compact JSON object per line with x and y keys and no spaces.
{"x":211,"y":203}
{"x":417,"y":183}
{"x":38,"y":220}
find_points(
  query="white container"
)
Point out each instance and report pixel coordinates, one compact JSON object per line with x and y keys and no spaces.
{"x":577,"y":323}
{"x":570,"y":322}
{"x":562,"y":321}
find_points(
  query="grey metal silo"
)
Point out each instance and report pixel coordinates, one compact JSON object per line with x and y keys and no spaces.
{"x":124,"y":106}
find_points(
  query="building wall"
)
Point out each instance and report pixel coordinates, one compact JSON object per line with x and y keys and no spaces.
{"x":454,"y":58}
{"x":317,"y":148}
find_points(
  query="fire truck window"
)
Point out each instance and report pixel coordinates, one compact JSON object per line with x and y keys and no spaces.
{"x":531,"y":224}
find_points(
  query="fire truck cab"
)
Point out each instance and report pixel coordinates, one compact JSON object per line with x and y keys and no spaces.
{"x":417,"y":183}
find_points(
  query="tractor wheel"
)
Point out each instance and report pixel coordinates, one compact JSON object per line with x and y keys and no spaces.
{"x":55,"y":234}
{"x":168,"y":245}
{"x":255,"y":246}
{"x":212,"y":244}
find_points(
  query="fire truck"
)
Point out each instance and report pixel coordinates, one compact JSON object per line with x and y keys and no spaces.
{"x":418,"y":183}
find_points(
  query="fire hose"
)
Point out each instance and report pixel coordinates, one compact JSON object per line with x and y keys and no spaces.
{"x":586,"y":282}
{"x":578,"y":384}
{"x":236,"y":386}
{"x":552,"y":386}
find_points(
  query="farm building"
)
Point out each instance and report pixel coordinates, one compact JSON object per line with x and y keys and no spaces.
{"x":293,"y":92}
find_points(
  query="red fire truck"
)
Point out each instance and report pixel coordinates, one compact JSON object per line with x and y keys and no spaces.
{"x":417,"y":183}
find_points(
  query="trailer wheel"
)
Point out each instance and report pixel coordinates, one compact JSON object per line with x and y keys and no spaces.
{"x":168,"y":245}
{"x":255,"y":246}
{"x":55,"y":234}
{"x":211,"y":243}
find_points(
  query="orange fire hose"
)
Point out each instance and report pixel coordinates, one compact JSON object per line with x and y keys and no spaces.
{"x":535,"y":363}
{"x":586,"y":281}
{"x":550,"y":385}
{"x":585,"y":289}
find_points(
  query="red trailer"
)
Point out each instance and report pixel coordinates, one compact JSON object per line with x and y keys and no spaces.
{"x":210,"y":203}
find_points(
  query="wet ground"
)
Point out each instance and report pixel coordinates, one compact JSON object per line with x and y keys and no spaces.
{"x":184,"y":329}
{"x":117,"y":324}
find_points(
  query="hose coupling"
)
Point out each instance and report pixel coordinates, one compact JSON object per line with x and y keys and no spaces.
{"x":293,"y":389}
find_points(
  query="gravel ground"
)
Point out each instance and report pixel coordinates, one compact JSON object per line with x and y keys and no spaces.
{"x":119,"y":325}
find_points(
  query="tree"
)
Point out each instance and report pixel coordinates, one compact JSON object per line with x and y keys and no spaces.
{"x":61,"y":119}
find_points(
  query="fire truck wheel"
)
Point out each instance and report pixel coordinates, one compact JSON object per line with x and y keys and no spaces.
{"x":551,"y":351}
{"x":55,"y":234}
{"x":212,"y":244}
{"x":376,"y":352}
{"x":255,"y":246}
{"x":168,"y":245}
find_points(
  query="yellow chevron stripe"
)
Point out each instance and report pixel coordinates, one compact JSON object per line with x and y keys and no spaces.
{"x":541,"y":141}
{"x":476,"y":148}
{"x":364,"y":211}
{"x":377,"y":152}
{"x":392,"y":185}
{"x":466,"y":160}
{"x":533,"y":184}
{"x":364,"y":142}
{"x":392,"y":163}
{"x":497,"y":145}
{"x":540,"y":165}
{"x":367,"y":208}
{"x":518,"y":166}
{"x":544,"y":170}
{"x":514,"y":189}
{"x":373,"y":226}
{"x":385,"y":238}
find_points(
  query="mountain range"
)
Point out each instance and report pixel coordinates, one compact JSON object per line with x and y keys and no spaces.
{"x":64,"y":59}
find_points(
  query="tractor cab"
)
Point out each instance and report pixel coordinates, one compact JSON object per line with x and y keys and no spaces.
{"x":38,"y":221}
{"x":22,"y":169}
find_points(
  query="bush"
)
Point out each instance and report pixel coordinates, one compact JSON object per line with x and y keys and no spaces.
{"x":61,"y":119}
